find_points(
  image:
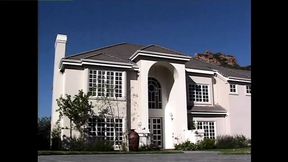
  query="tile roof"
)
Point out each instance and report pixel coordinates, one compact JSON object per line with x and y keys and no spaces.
{"x":118,"y":53}
{"x":121,"y":53}
{"x":227,"y":72}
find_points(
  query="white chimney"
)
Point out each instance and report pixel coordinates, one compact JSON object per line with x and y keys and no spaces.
{"x":58,"y":89}
{"x":60,"y":49}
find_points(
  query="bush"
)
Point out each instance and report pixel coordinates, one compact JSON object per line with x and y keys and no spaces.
{"x":187,"y":146}
{"x":43,"y":135}
{"x":75,"y":144}
{"x":206,"y":144}
{"x":99,"y":145}
{"x":222,"y":142}
{"x":241,"y":141}
{"x":151,"y":147}
{"x":238,"y":141}
{"x":56,"y":139}
{"x":92,"y":144}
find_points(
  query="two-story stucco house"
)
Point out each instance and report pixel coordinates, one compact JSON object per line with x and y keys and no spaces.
{"x":159,"y":92}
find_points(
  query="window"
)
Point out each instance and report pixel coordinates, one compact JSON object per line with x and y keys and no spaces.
{"x":154,"y":94}
{"x":209,"y":128}
{"x":155,"y":128}
{"x":198,"y":93}
{"x":248,"y":89}
{"x":233,"y":88}
{"x":103,"y":128}
{"x":105,"y":83}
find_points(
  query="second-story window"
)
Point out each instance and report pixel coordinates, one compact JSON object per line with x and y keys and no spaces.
{"x":198,"y":93}
{"x":233,"y":88}
{"x":248,"y":89}
{"x":105,"y":83}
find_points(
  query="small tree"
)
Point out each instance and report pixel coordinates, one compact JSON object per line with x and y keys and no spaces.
{"x":78,"y":110}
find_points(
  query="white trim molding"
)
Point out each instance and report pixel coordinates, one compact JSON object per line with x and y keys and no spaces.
{"x":199,"y":71}
{"x":236,"y":79}
{"x":239,"y":79}
{"x":159,"y":55}
{"x":95,"y":62}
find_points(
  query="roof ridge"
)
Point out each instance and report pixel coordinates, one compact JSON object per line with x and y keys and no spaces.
{"x":114,"y":57}
{"x":156,"y":45}
{"x":146,"y":46}
{"x":109,"y":46}
{"x":171,"y":50}
{"x":93,"y":55}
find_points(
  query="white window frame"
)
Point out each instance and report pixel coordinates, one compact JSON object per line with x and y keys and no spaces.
{"x":248,"y":94}
{"x":214,"y":124}
{"x":123,"y":84}
{"x":105,"y":129}
{"x":236,"y":89}
{"x":190,"y":94}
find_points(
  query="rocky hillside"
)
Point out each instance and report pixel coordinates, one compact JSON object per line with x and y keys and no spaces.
{"x":220,"y":59}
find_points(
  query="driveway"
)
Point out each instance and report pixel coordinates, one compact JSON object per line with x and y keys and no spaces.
{"x":185,"y":157}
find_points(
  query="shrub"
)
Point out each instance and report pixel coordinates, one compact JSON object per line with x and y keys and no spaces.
{"x":90,"y":144}
{"x":151,"y":147}
{"x":43,"y":135}
{"x":223,"y":142}
{"x":238,"y":141}
{"x":205,"y":144}
{"x":186,"y":146}
{"x":99,"y":145}
{"x":75,"y":144}
{"x":56,"y":139}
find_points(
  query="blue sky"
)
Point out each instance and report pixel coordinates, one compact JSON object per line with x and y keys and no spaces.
{"x":189,"y":26}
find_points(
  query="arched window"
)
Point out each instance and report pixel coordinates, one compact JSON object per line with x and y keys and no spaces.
{"x":154,"y":94}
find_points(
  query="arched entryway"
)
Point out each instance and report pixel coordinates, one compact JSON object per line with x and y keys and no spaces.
{"x":161,"y":78}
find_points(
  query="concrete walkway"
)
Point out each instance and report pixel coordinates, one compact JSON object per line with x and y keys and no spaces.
{"x":199,"y":156}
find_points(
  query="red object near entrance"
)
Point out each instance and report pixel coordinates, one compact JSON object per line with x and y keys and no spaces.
{"x":133,"y":140}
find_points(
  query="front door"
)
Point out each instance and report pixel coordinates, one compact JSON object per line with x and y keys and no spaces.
{"x":155,"y":128}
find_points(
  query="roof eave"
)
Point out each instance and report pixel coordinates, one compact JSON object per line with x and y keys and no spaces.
{"x":159,"y":55}
{"x":199,"y":71}
{"x":96,"y":63}
{"x":237,"y":79}
{"x":231,"y":78}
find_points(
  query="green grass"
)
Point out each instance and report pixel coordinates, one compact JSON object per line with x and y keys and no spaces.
{"x":234,"y":151}
{"x":50,"y":152}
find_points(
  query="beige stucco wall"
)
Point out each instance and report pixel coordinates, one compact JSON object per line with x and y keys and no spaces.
{"x":240,"y":112}
{"x":77,"y":79}
{"x":221,"y":90}
{"x":238,"y":106}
